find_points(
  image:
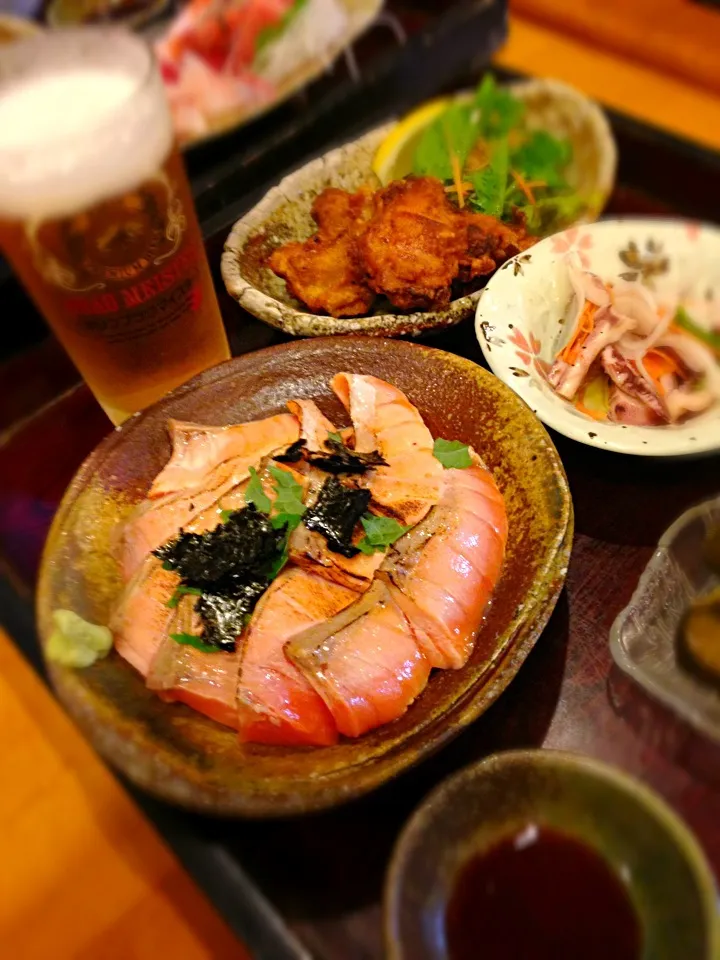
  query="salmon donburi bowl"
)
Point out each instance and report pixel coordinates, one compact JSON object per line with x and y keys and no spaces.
{"x":308,"y":568}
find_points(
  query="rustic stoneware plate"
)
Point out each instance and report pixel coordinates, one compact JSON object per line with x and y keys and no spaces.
{"x":643,"y":638}
{"x":185,"y":758}
{"x":284,"y":216}
{"x":651,"y":849}
{"x":520,"y":320}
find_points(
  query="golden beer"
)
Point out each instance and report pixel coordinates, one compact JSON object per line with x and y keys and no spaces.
{"x":97,"y":218}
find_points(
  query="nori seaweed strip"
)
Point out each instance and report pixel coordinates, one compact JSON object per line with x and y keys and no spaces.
{"x":293,"y":453}
{"x":240,"y":548}
{"x":336,"y":513}
{"x":225,"y":616}
{"x":343,"y":460}
{"x":231,"y":565}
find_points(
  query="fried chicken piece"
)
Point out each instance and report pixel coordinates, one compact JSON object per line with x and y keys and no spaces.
{"x":406,"y":241}
{"x":324,"y":272}
{"x":324,"y":275}
{"x":337,"y":212}
{"x":412,"y":246}
{"x":490,"y":243}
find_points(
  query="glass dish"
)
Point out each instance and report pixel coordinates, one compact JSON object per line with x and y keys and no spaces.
{"x":643,"y":637}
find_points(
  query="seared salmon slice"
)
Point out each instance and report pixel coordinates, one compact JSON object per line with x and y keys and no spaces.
{"x":142,"y":617}
{"x":198,"y":449}
{"x":204,"y":681}
{"x":385,"y":420}
{"x":157,"y":520}
{"x":276,"y":703}
{"x":364,"y":663}
{"x":447,"y":567}
{"x":307,"y":547}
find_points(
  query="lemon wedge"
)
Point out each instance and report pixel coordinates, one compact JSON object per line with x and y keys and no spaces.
{"x":393,"y":158}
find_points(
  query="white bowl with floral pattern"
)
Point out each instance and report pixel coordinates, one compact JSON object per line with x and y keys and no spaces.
{"x":520,"y":320}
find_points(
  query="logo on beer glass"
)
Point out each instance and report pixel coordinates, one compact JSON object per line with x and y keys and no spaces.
{"x":113,"y":243}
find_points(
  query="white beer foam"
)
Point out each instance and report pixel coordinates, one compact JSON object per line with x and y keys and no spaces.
{"x":83,"y":117}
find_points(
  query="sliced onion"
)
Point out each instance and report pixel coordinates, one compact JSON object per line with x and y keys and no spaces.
{"x":696,"y":357}
{"x":633,"y":346}
{"x":588,"y":285}
{"x":638,"y":361}
{"x":682,"y":401}
{"x":634,"y":300}
{"x":574,"y":274}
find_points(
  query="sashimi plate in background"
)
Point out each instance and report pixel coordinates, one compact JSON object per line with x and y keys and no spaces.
{"x":308,"y":62}
{"x":185,"y":758}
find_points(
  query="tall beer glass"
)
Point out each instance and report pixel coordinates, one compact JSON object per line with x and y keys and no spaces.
{"x":97,"y":218}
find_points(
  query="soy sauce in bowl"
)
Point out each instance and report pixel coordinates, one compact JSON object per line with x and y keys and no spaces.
{"x":540,"y":895}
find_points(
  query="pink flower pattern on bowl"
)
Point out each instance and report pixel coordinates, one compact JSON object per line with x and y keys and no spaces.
{"x":529,"y":352}
{"x":575,"y":241}
{"x":526,"y":305}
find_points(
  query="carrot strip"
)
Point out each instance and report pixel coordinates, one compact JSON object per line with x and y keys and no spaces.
{"x":571,"y":350}
{"x":658,"y":363}
{"x":526,"y":187}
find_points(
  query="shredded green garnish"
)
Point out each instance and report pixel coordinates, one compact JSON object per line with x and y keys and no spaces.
{"x":452,"y":454}
{"x":190,"y":640}
{"x":76,"y":643}
{"x":182,"y":591}
{"x":504,"y":166}
{"x":685,"y":322}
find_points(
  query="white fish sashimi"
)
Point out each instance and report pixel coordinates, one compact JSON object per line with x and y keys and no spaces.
{"x":314,"y":33}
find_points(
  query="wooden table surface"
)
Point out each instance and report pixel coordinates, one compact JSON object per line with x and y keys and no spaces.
{"x":677,"y":38}
{"x":82,"y":873}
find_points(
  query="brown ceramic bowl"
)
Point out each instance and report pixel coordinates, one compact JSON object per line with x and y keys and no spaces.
{"x":658,"y":860}
{"x":185,"y":758}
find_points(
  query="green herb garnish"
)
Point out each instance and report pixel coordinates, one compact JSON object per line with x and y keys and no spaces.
{"x":334,"y":436}
{"x":190,"y":640}
{"x":683,"y":319}
{"x":288,"y":520}
{"x":380,"y":532}
{"x":452,"y":454}
{"x":454,"y":132}
{"x":279,"y":562}
{"x":255,"y":493}
{"x":499,"y":111}
{"x":182,"y":591}
{"x":490,"y":183}
{"x":484,"y":149}
{"x":289,"y":493}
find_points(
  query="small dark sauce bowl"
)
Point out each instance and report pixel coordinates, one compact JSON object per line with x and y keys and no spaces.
{"x":652,"y":852}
